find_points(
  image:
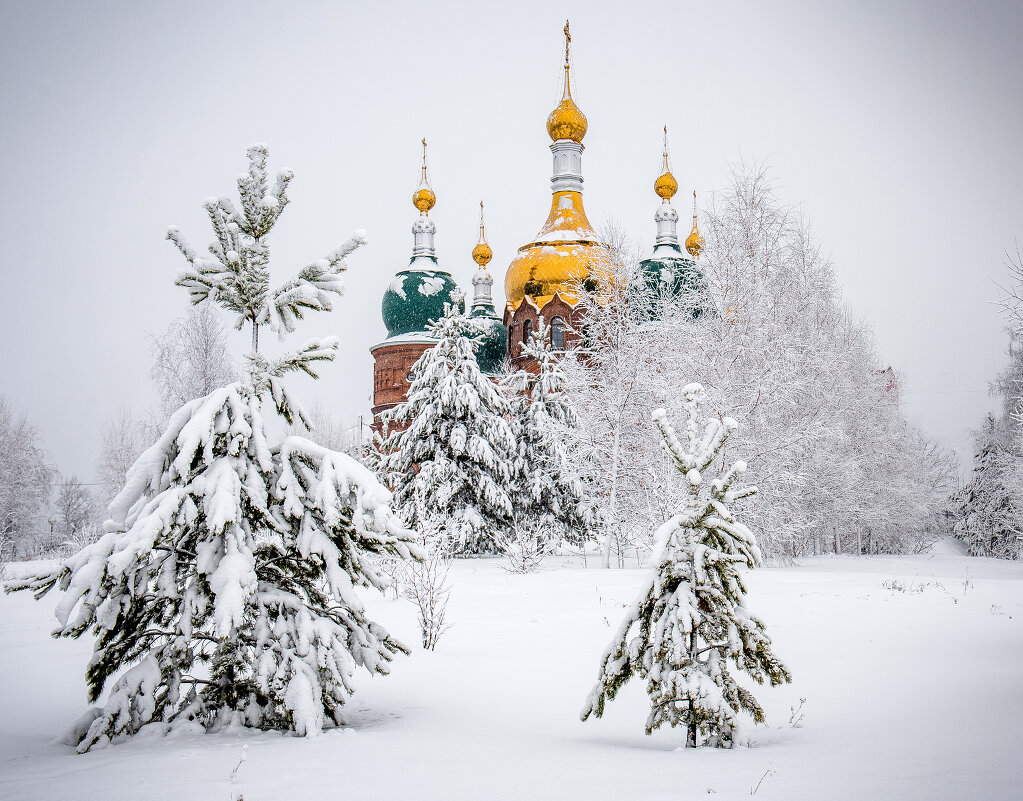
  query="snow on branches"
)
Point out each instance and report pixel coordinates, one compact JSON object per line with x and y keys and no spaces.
{"x":237,"y":277}
{"x":551,"y":495}
{"x":230,"y":559}
{"x":690,"y":626}
{"x":224,"y":589}
{"x":452,"y":461}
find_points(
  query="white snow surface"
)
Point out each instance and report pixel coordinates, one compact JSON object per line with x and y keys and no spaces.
{"x":914,"y":694}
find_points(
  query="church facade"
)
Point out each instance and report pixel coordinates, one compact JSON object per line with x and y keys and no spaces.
{"x":542,"y":280}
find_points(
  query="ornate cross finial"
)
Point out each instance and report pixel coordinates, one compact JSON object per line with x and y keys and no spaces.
{"x":568,"y":41}
{"x":424,"y":159}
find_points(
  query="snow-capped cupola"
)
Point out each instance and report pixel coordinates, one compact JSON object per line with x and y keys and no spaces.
{"x":416,"y":296}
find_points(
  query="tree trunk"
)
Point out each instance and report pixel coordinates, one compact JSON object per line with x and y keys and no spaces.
{"x":691,"y":727}
{"x":613,"y":507}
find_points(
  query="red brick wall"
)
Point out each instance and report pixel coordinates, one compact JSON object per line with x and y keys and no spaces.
{"x":391,"y":365}
{"x":555,"y":307}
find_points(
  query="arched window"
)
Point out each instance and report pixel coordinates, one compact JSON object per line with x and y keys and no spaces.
{"x":558,"y":334}
{"x":527,"y":329}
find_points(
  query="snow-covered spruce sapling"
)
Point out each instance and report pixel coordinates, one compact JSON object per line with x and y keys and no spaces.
{"x":223,"y":591}
{"x":450,"y":455}
{"x":551,"y":495}
{"x":690,"y":627}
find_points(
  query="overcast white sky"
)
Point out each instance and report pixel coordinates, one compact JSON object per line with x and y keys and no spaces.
{"x":895,"y":126}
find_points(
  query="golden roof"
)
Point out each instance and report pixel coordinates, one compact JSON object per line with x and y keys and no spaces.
{"x":666,"y":186}
{"x":562,"y":254}
{"x":567,"y":121}
{"x":694,"y":242}
{"x":424,"y":198}
{"x":482,"y":254}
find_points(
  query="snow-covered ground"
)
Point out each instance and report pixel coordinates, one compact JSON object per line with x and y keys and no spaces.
{"x":912,"y":693}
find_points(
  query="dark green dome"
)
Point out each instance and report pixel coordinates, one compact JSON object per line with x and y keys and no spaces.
{"x":416,"y":298}
{"x":669,"y":271}
{"x":493,"y":343}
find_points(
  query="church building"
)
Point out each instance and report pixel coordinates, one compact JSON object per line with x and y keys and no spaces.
{"x":543,"y":278}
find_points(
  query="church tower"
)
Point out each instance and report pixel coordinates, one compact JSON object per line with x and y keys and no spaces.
{"x":492,"y":342}
{"x":415,"y":298}
{"x":669,"y":271}
{"x":541,"y":278}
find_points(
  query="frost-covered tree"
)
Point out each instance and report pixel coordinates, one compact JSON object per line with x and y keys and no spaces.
{"x":607,"y":384}
{"x":821,"y":419}
{"x":551,"y":497}
{"x":223,"y":591}
{"x":26,"y":483}
{"x":75,"y":513}
{"x":450,"y":456}
{"x":690,"y":628}
{"x":190,"y":359}
{"x":987,"y":515}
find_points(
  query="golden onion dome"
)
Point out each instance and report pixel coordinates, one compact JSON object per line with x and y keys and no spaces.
{"x":482,"y":254}
{"x":666,"y":186}
{"x":694,"y":242}
{"x":567,"y":121}
{"x":424,"y":198}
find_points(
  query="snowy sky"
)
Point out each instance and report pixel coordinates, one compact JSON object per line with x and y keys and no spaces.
{"x":894,"y":125}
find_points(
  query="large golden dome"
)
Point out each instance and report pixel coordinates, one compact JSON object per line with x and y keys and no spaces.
{"x":562,"y":254}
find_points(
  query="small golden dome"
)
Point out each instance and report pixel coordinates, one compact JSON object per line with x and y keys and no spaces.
{"x":424,"y":198}
{"x":666,"y":186}
{"x":482,"y":254}
{"x":694,"y":242}
{"x":567,"y":121}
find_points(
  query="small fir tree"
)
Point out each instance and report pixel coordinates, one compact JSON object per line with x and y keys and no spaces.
{"x":450,"y":455}
{"x":690,"y":626}
{"x":551,"y":495}
{"x":223,"y":592}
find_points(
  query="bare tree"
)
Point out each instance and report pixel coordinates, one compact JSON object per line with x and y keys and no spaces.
{"x":191,"y":358}
{"x":74,"y":514}
{"x":26,"y":482}
{"x":820,"y":418}
{"x":124,"y":438}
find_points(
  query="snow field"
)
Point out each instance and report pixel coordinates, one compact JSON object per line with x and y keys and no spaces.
{"x":910,"y":694}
